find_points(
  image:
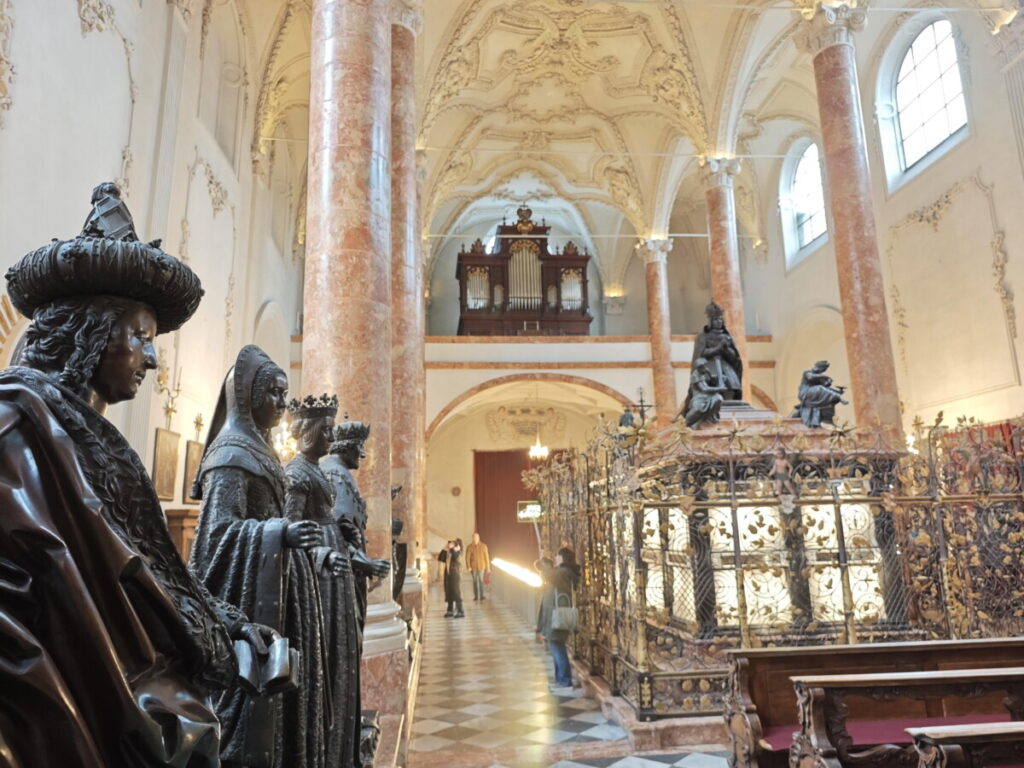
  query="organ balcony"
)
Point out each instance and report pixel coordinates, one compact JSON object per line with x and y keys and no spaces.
{"x":522,"y":288}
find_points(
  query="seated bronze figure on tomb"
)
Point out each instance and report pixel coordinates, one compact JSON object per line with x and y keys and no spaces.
{"x":109,"y":648}
{"x":249,"y":554}
{"x":818,"y":396}
{"x":310,"y":496}
{"x":345,"y":453}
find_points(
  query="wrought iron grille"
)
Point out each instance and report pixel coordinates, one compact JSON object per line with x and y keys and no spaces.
{"x":692,"y":543}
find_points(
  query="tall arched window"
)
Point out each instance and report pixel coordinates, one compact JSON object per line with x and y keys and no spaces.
{"x":808,"y":195}
{"x":929,"y":94}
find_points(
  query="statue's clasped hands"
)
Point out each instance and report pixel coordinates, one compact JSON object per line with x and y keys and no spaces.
{"x":304,"y":534}
{"x":337,"y":563}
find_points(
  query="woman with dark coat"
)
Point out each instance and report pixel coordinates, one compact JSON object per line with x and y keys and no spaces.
{"x":453,"y":580}
{"x":561,"y":583}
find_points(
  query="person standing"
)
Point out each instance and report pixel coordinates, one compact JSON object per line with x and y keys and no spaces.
{"x":453,"y":580}
{"x":561,"y":581}
{"x":478,"y":560}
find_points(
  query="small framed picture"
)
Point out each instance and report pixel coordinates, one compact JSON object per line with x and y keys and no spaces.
{"x":193,"y":457}
{"x":165,"y":463}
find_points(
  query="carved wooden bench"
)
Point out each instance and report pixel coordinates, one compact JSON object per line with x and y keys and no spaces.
{"x":975,"y":745}
{"x":830,"y":738}
{"x":761,"y":711}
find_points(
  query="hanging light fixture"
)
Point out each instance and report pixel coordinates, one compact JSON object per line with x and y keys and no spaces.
{"x":538,"y":451}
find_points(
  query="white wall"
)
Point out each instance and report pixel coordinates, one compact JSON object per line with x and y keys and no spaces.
{"x":117,"y":97}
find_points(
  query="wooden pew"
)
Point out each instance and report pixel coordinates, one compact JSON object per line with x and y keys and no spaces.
{"x":830,"y":738}
{"x":976,"y":745}
{"x":761,"y":712}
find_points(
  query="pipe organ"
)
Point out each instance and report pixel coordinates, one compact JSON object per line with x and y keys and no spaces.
{"x":522,"y":288}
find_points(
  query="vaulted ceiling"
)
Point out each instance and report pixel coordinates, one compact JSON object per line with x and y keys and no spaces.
{"x":595,"y":113}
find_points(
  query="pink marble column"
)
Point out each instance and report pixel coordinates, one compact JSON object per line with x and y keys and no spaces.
{"x":828,"y":35}
{"x":724,"y":250}
{"x":347,"y":291}
{"x":655,"y":256}
{"x":408,"y":315}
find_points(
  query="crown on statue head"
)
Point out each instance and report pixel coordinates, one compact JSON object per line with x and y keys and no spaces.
{"x":713,"y":311}
{"x":311,"y":407}
{"x":352,"y":432}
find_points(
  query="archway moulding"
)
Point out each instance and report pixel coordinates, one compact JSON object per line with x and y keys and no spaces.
{"x":462,"y":398}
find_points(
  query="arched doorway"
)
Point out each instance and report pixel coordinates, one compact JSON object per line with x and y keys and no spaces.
{"x":477,"y":449}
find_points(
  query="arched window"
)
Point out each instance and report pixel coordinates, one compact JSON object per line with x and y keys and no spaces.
{"x":808,"y":198}
{"x":929,"y":94}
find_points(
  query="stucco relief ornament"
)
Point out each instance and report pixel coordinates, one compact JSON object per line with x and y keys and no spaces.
{"x":6,"y":67}
{"x":827,"y":24}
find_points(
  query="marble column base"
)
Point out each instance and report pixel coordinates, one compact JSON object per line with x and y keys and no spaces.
{"x":385,"y":631}
{"x":385,"y":682}
{"x":413,"y":597}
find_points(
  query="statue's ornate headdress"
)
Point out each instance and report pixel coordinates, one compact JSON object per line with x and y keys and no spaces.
{"x":311,"y":407}
{"x":107,"y":258}
{"x":713,"y":311}
{"x":351,"y":432}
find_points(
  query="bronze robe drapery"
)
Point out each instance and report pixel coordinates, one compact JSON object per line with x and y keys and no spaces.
{"x":239,"y":552}
{"x":108,"y":646}
{"x":310,"y":497}
{"x":351,"y":518}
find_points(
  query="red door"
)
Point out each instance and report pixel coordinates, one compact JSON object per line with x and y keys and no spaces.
{"x":498,"y":485}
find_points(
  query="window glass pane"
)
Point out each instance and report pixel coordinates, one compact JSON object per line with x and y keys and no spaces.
{"x":808,"y":197}
{"x":929,"y":92}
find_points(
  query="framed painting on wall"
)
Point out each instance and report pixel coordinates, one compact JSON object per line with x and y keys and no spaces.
{"x":193,"y":456}
{"x":165,"y":463}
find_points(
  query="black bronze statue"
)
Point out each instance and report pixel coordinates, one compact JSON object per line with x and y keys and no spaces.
{"x":109,"y":648}
{"x":249,"y":554}
{"x":310,"y":496}
{"x":704,"y":401}
{"x":818,"y":396}
{"x":715,"y":344}
{"x":345,"y":452}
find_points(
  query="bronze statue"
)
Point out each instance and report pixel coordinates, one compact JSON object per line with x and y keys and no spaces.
{"x":704,"y":400}
{"x":345,"y":453}
{"x":249,"y":554}
{"x":715,"y":344}
{"x":109,"y":648}
{"x":310,"y":496}
{"x":818,"y":396}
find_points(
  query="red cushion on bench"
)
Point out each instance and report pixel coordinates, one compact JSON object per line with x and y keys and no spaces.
{"x":868,"y":732}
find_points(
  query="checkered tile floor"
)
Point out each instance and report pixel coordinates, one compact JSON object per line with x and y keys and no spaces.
{"x":483,"y":701}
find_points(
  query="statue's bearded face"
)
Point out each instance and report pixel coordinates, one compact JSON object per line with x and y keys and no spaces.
{"x":352,"y":455}
{"x":128,"y":355}
{"x":268,"y":413}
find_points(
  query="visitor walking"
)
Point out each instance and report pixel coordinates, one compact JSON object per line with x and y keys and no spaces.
{"x":453,"y":581}
{"x":561,"y":580}
{"x":442,"y":571}
{"x":478,"y":560}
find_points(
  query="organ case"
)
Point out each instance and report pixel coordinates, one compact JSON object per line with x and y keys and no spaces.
{"x":522,"y":288}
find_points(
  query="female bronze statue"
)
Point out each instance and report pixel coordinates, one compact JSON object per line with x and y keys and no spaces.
{"x":250,"y":555}
{"x":109,"y":647}
{"x":704,"y":401}
{"x":309,"y":496}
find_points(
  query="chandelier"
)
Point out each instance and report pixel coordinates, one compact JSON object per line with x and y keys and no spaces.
{"x":538,"y":451}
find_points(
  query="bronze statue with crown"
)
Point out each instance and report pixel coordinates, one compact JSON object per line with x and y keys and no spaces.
{"x":345,"y":452}
{"x":310,"y":496}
